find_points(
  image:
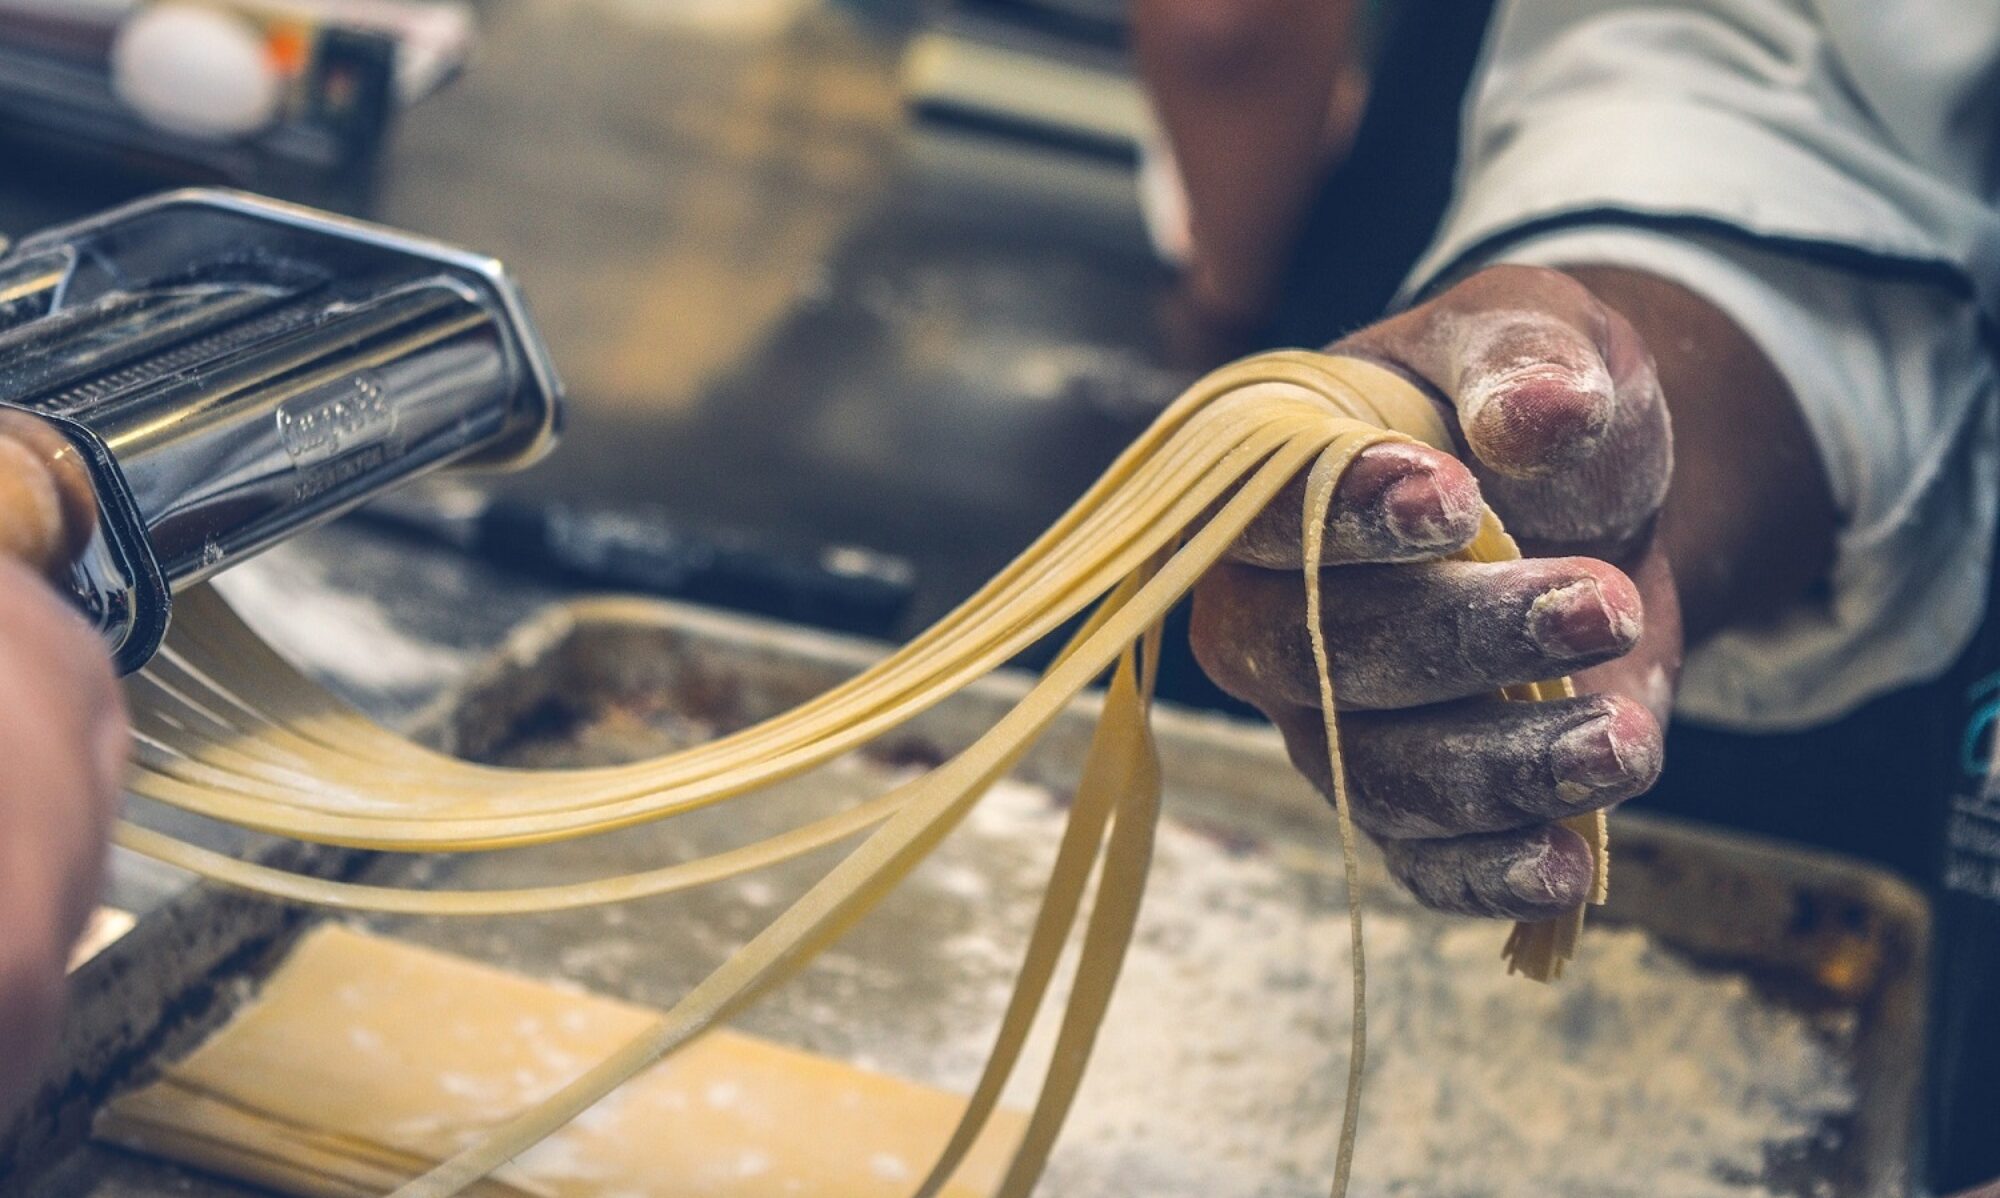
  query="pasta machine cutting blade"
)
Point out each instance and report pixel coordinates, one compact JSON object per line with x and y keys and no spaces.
{"x":231,"y":370}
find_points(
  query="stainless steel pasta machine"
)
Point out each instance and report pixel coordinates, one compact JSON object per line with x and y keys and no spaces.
{"x":230,"y":370}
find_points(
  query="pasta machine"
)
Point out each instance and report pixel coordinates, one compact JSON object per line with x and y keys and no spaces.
{"x":221,"y":371}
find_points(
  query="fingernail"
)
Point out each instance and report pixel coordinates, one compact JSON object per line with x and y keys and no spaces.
{"x":1530,"y":877}
{"x":1590,"y":756}
{"x":1575,"y":621}
{"x":1534,"y":400}
{"x":1548,"y":876}
{"x":1423,"y":513}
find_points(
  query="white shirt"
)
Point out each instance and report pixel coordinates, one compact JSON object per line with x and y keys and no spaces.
{"x":1825,"y":172}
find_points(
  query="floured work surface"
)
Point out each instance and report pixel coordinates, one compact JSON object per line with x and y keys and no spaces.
{"x":1783,"y":1066}
{"x":362,"y":1057}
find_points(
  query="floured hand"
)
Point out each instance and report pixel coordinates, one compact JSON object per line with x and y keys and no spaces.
{"x":1565,"y":433}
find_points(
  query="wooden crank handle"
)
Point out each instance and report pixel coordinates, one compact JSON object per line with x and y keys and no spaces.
{"x":48,"y":508}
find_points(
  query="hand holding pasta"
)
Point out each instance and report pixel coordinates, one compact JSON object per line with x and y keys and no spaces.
{"x":1554,"y":399}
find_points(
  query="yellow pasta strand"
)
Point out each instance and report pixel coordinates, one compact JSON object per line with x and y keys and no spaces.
{"x":1325,"y":476}
{"x":228,"y":730}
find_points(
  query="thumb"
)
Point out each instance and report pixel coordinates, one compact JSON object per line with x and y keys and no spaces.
{"x":1556,"y":400}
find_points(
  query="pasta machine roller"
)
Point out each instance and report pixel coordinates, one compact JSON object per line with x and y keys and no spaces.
{"x":219,"y":371}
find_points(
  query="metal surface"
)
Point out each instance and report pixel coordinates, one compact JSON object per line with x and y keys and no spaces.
{"x":238,"y":370}
{"x":1835,"y":944}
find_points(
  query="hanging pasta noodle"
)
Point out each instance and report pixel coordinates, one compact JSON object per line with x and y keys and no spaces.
{"x":227,"y":729}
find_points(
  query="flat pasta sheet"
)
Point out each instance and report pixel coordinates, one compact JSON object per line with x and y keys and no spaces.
{"x":364,"y":1059}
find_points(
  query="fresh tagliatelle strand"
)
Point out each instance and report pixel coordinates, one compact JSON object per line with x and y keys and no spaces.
{"x":848,"y":890}
{"x":230,"y":731}
{"x":1122,"y":735}
{"x":260,"y":800}
{"x":1115,"y":484}
{"x":333,"y":766}
{"x":718,"y":867}
{"x":1320,"y":484}
{"x":1296,"y":371}
{"x":482,"y":776}
{"x":513,"y":791}
{"x":1107,"y":938}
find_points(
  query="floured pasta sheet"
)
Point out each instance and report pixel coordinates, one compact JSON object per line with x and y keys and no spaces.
{"x":364,"y":1060}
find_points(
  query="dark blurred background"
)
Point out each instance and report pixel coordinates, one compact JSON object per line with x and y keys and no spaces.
{"x":818,"y":273}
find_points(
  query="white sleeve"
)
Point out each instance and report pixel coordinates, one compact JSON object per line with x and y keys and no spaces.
{"x":1865,"y":131}
{"x":1824,"y":171}
{"x":1896,"y":385}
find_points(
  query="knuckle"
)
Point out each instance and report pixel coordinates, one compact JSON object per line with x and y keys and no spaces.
{"x":1205,"y":620}
{"x":1242,"y":634}
{"x":1639,"y":738}
{"x":1413,"y":776}
{"x":1512,"y":876}
{"x":1437,"y":876}
{"x":1211,"y":640}
{"x":1304,"y":734}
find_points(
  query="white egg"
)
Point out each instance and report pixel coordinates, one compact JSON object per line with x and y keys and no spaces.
{"x":190,"y":69}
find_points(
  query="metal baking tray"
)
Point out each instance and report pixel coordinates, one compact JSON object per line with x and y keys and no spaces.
{"x":1732,"y":988}
{"x":1246,"y":884}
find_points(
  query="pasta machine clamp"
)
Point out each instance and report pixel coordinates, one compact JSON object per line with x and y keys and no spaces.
{"x":219,"y":371}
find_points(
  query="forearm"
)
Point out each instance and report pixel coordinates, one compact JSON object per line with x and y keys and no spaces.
{"x":1749,"y":521}
{"x":1244,"y":91}
{"x":63,"y":742}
